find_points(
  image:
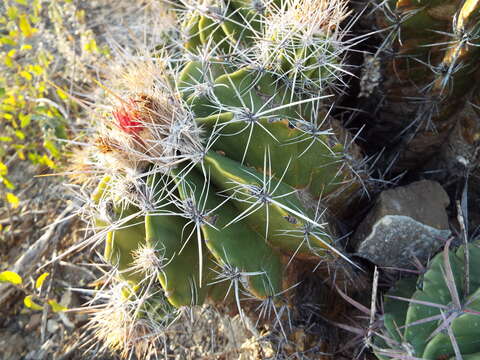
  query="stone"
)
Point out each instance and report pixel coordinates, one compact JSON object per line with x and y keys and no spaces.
{"x":406,"y":222}
{"x":424,"y":201}
{"x":396,"y":241}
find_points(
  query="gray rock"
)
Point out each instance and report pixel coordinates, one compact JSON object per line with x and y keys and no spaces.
{"x":396,"y":240}
{"x":406,"y":222}
{"x":424,"y":201}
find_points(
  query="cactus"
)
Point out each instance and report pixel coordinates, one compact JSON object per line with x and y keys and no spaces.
{"x":429,"y":54}
{"x":223,"y":166}
{"x":436,"y":316}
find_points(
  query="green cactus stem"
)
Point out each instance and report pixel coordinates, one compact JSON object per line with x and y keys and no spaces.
{"x":437,"y":316}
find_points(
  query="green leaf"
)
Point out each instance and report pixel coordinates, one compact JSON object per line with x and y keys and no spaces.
{"x":56,"y":307}
{"x":12,"y":12}
{"x":40,"y":280}
{"x":29,"y":303}
{"x":24,"y":120}
{"x":10,"y":277}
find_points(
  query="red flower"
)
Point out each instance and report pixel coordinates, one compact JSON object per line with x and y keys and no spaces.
{"x":129,"y":118}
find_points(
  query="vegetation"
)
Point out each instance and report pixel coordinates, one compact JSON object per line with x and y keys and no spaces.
{"x":228,"y":158}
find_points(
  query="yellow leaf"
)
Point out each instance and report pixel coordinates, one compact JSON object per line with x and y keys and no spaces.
{"x":25,"y":27}
{"x":50,"y":146}
{"x":3,"y":169}
{"x":7,"y":183}
{"x":13,"y":33}
{"x":40,"y":280}
{"x":10,"y":277}
{"x":91,"y":46}
{"x":41,"y":87}
{"x":30,"y":304}
{"x":45,"y":160}
{"x":56,"y":307}
{"x":36,"y":69}
{"x":8,"y":107}
{"x":10,"y":100}
{"x":26,"y":75}
{"x":8,"y":61}
{"x":13,"y":200}
{"x":21,"y":155}
{"x":62,"y":94}
{"x":37,"y":6}
{"x":20,"y":134}
{"x":26,"y":47}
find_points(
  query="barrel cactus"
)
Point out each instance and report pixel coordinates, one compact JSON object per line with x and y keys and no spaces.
{"x":221,"y":165}
{"x":428,"y":54}
{"x":437,"y":315}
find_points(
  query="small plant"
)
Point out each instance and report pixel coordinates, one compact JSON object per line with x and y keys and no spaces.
{"x":436,"y":316}
{"x":24,"y":107}
{"x":33,"y":298}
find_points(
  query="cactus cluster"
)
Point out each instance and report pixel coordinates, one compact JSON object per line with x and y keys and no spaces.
{"x":429,"y":55}
{"x":437,"y":315}
{"x":222,"y":164}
